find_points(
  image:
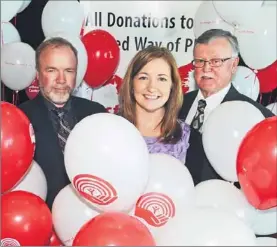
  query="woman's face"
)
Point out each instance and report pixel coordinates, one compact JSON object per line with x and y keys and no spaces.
{"x":152,"y":85}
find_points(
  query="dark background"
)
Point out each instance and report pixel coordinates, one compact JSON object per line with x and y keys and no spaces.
{"x":28,"y":24}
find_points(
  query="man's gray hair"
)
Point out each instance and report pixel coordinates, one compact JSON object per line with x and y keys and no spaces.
{"x":212,"y":34}
{"x":54,"y":42}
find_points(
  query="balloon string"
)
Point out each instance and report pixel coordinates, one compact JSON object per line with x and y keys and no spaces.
{"x":83,"y":28}
{"x":270,"y":97}
{"x":15,"y":97}
{"x":3,"y":92}
{"x":2,"y":38}
{"x":261,"y":97}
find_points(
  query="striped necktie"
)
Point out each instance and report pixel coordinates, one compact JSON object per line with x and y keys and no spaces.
{"x":198,"y":119}
{"x":63,"y":129}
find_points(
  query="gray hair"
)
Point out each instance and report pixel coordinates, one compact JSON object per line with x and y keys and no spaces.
{"x":54,"y":42}
{"x":212,"y":34}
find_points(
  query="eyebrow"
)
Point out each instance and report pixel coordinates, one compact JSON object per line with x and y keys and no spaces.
{"x":51,"y":67}
{"x":158,"y":74}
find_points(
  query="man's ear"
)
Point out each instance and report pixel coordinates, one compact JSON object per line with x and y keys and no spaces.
{"x":235,"y":65}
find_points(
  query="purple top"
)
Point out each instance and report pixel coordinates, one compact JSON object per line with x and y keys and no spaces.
{"x":177,"y":150}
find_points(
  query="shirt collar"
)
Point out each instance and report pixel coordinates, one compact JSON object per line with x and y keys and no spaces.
{"x":214,"y":99}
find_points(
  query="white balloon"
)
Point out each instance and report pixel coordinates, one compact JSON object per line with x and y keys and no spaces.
{"x":62,"y":16}
{"x":225,"y":196}
{"x":69,"y":213}
{"x":82,"y":54}
{"x":273,"y":108}
{"x":167,"y":194}
{"x":257,"y":39}
{"x":9,"y":33}
{"x":264,"y":222}
{"x":107,"y":161}
{"x":266,"y":241}
{"x":223,"y":132}
{"x":207,"y":18}
{"x":234,"y":12}
{"x":34,"y":181}
{"x":25,"y":4}
{"x":246,"y":82}
{"x":9,"y":9}
{"x":206,"y":227}
{"x":17,"y":65}
{"x":270,"y":2}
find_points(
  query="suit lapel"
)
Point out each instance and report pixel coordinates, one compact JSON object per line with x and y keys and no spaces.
{"x":232,"y":94}
{"x":46,"y":127}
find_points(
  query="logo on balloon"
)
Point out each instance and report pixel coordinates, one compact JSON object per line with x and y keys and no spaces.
{"x":95,"y":189}
{"x":155,"y":208}
{"x":9,"y":242}
{"x":32,"y":133}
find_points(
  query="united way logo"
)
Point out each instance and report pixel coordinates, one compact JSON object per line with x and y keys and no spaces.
{"x":9,"y":242}
{"x":155,"y":208}
{"x":95,"y":189}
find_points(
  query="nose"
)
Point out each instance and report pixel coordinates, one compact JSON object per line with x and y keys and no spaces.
{"x":151,"y":85}
{"x":61,"y":77}
{"x":207,"y":67}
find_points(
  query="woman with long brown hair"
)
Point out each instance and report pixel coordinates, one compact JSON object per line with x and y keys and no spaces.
{"x":151,"y":97}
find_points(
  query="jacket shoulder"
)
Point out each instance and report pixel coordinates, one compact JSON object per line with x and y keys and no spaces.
{"x":86,"y":104}
{"x":241,"y":97}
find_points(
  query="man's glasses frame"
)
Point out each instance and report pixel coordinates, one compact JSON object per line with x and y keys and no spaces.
{"x":214,"y":62}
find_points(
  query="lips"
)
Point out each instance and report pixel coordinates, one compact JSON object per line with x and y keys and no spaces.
{"x":151,"y":97}
{"x":206,"y":77}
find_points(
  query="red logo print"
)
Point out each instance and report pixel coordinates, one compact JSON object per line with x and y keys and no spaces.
{"x":9,"y":242}
{"x":95,"y":189}
{"x":155,"y":208}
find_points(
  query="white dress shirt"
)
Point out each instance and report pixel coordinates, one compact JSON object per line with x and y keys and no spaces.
{"x":212,"y":102}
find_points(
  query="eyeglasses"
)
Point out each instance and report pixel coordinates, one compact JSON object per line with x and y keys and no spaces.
{"x":214,"y":62}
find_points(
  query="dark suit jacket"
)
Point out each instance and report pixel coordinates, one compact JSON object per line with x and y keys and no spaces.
{"x":48,"y":153}
{"x":196,"y":160}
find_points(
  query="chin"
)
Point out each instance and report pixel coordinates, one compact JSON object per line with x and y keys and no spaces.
{"x":59,"y":99}
{"x":153,"y":109}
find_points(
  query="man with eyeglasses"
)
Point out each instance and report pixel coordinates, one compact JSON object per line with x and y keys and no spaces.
{"x":215,"y":62}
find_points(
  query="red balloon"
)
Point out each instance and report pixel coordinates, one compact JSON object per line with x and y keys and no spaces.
{"x":25,"y":219}
{"x":17,"y":145}
{"x":256,"y":164}
{"x":103,"y":57}
{"x":33,"y":90}
{"x":268,"y":78}
{"x":54,"y":240}
{"x":114,"y":229}
{"x":184,"y":74}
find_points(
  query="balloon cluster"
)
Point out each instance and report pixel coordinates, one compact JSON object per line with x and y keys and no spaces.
{"x":255,"y":31}
{"x":23,"y":183}
{"x":98,"y":51}
{"x":122,"y":195}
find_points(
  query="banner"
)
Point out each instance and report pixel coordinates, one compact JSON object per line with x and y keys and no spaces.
{"x":136,"y":25}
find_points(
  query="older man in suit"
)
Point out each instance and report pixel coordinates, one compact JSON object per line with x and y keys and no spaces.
{"x":215,"y":61}
{"x":54,"y":112}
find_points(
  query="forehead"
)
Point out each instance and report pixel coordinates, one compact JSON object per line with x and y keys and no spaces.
{"x":157,"y":65}
{"x":215,"y":48}
{"x":57,"y":55}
